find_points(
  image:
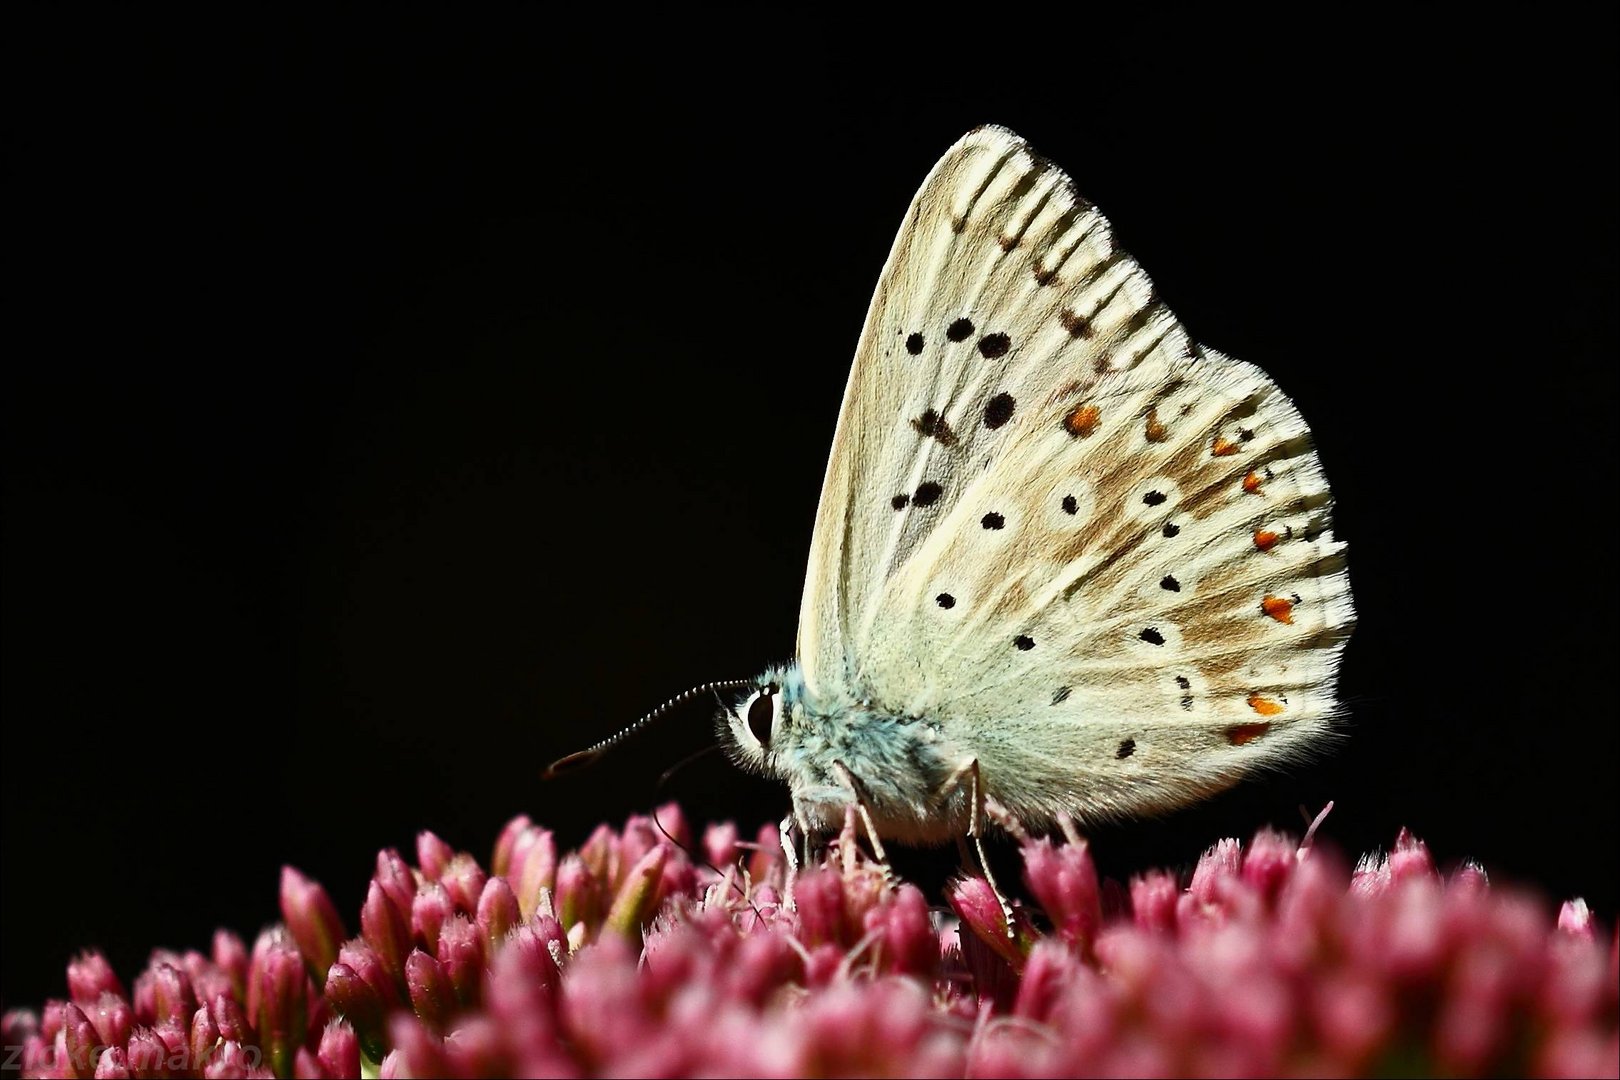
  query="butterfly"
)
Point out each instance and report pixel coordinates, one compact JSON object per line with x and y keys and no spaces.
{"x":1067,"y":562}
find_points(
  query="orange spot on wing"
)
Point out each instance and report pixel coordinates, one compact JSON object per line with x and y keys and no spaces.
{"x":1265,"y":539}
{"x":1239,"y":734}
{"x":1082,"y":420}
{"x":1251,"y":483}
{"x":1264,"y":706}
{"x":1156,"y":431}
{"x":1222,"y":448}
{"x":1278,"y":608}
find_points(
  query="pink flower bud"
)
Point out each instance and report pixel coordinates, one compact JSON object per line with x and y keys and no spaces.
{"x":46,"y":1056}
{"x":464,"y":880}
{"x":81,"y":1040}
{"x":1064,"y":881}
{"x":386,"y":929}
{"x":1576,"y":920}
{"x":672,"y":826}
{"x":638,"y":837}
{"x":1410,"y":858}
{"x":976,"y":904}
{"x":906,"y":942}
{"x":172,"y":998}
{"x":432,"y":996}
{"x":579,"y":900}
{"x":283,"y":1011}
{"x":268,"y":937}
{"x":476,"y":1048}
{"x":339,"y":1050}
{"x":362,"y":961}
{"x":232,"y":958}
{"x":601,"y":853}
{"x":432,"y":855}
{"x":235,"y":1061}
{"x":112,"y":1064}
{"x":819,"y":898}
{"x":428,"y":911}
{"x":311,"y":918}
{"x":501,"y":861}
{"x":532,"y":866}
{"x":497,"y":913}
{"x":421,"y":1053}
{"x":720,"y":844}
{"x":358,"y":1003}
{"x":146,"y":1053}
{"x":637,"y":898}
{"x":174,"y":1034}
{"x":203,"y":1036}
{"x":397,"y":881}
{"x":113,"y":1018}
{"x":1217,"y":867}
{"x":461,"y":956}
{"x":17,"y":1026}
{"x":89,"y":976}
{"x":764,"y":963}
{"x":1469,"y":878}
{"x":552,"y":936}
{"x":767,"y":858}
{"x":231,"y":1020}
{"x":524,"y":977}
{"x":1269,"y":863}
{"x":1047,"y":973}
{"x":1154,"y":896}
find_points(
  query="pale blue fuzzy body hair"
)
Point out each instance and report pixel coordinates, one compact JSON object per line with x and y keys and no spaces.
{"x":903,"y":764}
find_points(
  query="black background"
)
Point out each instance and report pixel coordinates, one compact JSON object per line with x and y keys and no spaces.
{"x":394,"y":404}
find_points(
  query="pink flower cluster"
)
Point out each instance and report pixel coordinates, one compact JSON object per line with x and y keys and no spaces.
{"x":628,"y":957}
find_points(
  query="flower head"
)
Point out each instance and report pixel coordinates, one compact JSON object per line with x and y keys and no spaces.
{"x":630,"y":957}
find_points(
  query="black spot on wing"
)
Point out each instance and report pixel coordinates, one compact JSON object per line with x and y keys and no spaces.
{"x":934,"y":426}
{"x":999,"y":410}
{"x":992,"y":346}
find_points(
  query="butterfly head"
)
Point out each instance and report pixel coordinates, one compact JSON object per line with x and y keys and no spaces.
{"x":754,"y":728}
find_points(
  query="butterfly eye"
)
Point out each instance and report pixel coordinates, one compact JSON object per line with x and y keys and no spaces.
{"x":761,"y":711}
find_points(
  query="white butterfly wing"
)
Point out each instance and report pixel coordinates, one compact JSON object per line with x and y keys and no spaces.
{"x":1096,"y":553}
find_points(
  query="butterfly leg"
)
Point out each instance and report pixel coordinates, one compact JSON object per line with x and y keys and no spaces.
{"x":789,"y":832}
{"x":1003,"y":817}
{"x":979,"y":808}
{"x":859,"y":800}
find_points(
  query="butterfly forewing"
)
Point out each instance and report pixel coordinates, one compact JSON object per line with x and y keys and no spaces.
{"x":1095,"y":553}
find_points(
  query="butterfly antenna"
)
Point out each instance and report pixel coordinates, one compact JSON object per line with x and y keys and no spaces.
{"x":581,"y":758}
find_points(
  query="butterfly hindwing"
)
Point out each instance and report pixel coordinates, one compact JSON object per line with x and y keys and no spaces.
{"x":1095,"y":553}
